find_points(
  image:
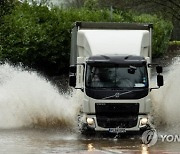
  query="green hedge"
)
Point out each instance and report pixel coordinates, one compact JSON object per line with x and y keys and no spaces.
{"x":161,"y":34}
{"x":177,"y":43}
{"x":40,"y":37}
{"x":174,"y":46}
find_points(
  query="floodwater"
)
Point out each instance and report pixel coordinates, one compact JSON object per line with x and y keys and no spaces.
{"x":36,"y":118}
{"x":45,"y":141}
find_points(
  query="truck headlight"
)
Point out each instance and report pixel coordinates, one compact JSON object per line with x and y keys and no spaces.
{"x":90,"y":121}
{"x":143,"y":121}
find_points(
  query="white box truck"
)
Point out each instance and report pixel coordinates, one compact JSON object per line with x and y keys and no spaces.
{"x":110,"y":65}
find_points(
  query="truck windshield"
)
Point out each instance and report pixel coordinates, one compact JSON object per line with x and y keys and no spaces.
{"x":114,"y":76}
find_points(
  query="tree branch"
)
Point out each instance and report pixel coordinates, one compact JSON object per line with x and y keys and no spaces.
{"x":177,"y":5}
{"x":170,"y":8}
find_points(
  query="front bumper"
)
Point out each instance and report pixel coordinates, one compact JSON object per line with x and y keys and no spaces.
{"x":84,"y":126}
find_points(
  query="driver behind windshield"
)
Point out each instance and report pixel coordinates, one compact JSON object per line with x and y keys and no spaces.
{"x":117,"y":77}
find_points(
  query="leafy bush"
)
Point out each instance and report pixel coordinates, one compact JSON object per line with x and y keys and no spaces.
{"x":32,"y":35}
{"x":161,"y":34}
{"x":6,"y":6}
{"x":177,"y":43}
{"x":40,"y":37}
{"x":174,"y":46}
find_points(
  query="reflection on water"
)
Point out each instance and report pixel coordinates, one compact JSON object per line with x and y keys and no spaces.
{"x":144,"y":149}
{"x":28,"y":141}
{"x":60,"y":141}
{"x":90,"y":147}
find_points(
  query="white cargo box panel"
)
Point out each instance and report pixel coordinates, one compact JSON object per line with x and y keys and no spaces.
{"x":100,"y":42}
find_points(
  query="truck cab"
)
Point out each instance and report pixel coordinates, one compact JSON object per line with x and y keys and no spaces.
{"x":111,"y":67}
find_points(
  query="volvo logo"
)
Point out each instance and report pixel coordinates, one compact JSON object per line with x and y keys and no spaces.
{"x":117,"y":95}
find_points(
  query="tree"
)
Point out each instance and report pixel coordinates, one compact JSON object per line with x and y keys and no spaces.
{"x":40,"y":37}
{"x":6,"y":6}
{"x":91,"y":4}
{"x":166,"y":7}
{"x":75,"y":3}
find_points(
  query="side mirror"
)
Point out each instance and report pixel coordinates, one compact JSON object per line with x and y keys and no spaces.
{"x":72,"y":69}
{"x":160,"y":80}
{"x":72,"y":80}
{"x":159,"y":69}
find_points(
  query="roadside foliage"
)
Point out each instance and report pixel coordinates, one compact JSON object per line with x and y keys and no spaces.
{"x":39,"y":36}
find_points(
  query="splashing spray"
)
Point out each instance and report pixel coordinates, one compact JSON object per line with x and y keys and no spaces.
{"x":166,"y":101}
{"x":29,"y":100}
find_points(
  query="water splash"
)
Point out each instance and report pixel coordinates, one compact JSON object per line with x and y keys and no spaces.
{"x":29,"y":100}
{"x":166,"y":100}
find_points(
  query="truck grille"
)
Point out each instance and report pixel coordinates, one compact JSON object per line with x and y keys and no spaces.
{"x":112,"y":115}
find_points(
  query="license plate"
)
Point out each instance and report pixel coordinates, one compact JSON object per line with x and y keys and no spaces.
{"x":117,"y":130}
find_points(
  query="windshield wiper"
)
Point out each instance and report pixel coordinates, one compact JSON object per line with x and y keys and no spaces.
{"x":116,"y":95}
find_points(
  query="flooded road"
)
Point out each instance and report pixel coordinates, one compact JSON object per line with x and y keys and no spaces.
{"x":36,"y":118}
{"x":46,"y":141}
